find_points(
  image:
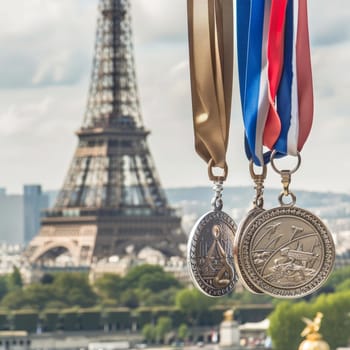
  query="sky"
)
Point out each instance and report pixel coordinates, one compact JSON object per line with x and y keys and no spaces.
{"x":46,"y":51}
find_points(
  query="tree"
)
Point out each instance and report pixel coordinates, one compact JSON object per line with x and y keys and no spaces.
{"x":182,"y":332}
{"x":286,"y":324}
{"x":110,"y":286}
{"x":149,"y":333}
{"x":38,"y":296}
{"x":163,"y":326}
{"x":149,"y":277}
{"x":74,"y":289}
{"x":337,"y":277}
{"x":158,"y":281}
{"x":15,"y":279}
{"x":3,"y":286}
{"x":47,"y":278}
{"x":343,"y":286}
{"x":13,"y":300}
{"x":193,"y":303}
{"x":336,"y":321}
{"x":162,"y":298}
{"x":129,"y":298}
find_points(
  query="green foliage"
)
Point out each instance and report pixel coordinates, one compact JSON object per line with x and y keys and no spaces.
{"x":183,"y":332}
{"x":164,"y":297}
{"x":70,"y":320}
{"x":51,"y":321}
{"x":129,"y":298}
{"x":67,"y":290}
{"x":336,"y":321}
{"x":133,"y":277}
{"x":118,"y":318}
{"x":13,"y":300}
{"x":158,"y":281}
{"x":286,"y":324}
{"x":74,"y":289}
{"x":15,"y":280}
{"x":163,"y":326}
{"x":47,"y":278}
{"x":90,"y":319}
{"x":26,"y":320}
{"x":3,"y":286}
{"x":4,"y":324}
{"x":149,"y":333}
{"x":337,"y":277}
{"x":343,"y":286}
{"x":110,"y":286}
{"x":145,"y":285}
{"x":193,"y":304}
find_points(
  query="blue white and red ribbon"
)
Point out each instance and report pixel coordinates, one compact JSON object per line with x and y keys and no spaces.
{"x":252,"y":34}
{"x":275,"y":75}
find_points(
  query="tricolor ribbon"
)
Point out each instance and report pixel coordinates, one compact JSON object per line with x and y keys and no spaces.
{"x":275,"y":75}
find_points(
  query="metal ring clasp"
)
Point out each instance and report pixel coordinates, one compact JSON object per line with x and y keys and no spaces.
{"x":285,"y":179}
{"x":213,"y":177}
{"x":274,"y":167}
{"x":259,"y":184}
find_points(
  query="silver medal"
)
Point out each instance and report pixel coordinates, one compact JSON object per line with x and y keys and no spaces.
{"x":239,"y":264}
{"x":210,"y":252}
{"x":252,"y":214}
{"x":287,"y":252}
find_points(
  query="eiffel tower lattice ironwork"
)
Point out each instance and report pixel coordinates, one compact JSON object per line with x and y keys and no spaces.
{"x":111,"y":197}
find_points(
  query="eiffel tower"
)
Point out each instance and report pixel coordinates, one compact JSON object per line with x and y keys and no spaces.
{"x":111,"y":198}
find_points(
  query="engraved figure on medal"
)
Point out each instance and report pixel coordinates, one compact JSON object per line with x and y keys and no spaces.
{"x":210,"y":252}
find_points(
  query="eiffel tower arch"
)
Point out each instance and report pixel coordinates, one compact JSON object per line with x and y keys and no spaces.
{"x":112,"y":197}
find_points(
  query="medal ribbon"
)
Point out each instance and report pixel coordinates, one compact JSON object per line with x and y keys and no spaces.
{"x":210,"y":29}
{"x":295,"y":95}
{"x":275,"y":76}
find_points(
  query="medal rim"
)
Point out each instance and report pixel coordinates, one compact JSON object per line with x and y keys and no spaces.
{"x":243,"y":278}
{"x":326,"y":266}
{"x":196,"y":232}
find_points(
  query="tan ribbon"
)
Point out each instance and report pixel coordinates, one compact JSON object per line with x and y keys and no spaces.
{"x":210,"y":30}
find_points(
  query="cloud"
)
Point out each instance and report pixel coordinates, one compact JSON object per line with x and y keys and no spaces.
{"x":45,"y":65}
{"x":18,"y":119}
{"x":46,"y":42}
{"x":329,"y":22}
{"x":159,"y":21}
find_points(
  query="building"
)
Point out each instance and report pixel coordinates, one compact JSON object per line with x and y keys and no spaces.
{"x":11,"y":218}
{"x":34,"y":201}
{"x":20,"y":214}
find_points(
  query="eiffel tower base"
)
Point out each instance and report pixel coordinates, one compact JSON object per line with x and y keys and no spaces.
{"x":92,"y":238}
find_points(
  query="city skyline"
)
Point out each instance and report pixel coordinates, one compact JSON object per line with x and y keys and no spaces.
{"x":44,"y":79}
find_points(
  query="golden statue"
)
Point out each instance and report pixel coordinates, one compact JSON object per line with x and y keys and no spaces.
{"x":312,"y":327}
{"x":313,"y":339}
{"x":228,"y":315}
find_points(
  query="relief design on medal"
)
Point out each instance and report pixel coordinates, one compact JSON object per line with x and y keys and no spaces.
{"x":289,"y":252}
{"x":210,"y":254}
